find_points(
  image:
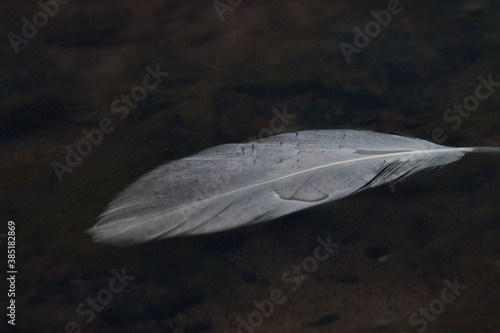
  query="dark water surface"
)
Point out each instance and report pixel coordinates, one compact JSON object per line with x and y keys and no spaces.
{"x":423,"y":255}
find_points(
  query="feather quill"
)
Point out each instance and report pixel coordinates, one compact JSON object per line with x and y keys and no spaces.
{"x":233,"y":185}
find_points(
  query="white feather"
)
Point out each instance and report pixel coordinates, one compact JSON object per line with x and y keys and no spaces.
{"x":232,"y":185}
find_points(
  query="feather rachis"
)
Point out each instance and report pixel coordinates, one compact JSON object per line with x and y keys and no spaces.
{"x":233,"y":185}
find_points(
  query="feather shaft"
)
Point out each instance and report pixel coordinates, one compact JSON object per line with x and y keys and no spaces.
{"x":233,"y":185}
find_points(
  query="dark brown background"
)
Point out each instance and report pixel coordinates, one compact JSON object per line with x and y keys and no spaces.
{"x":225,"y":79}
